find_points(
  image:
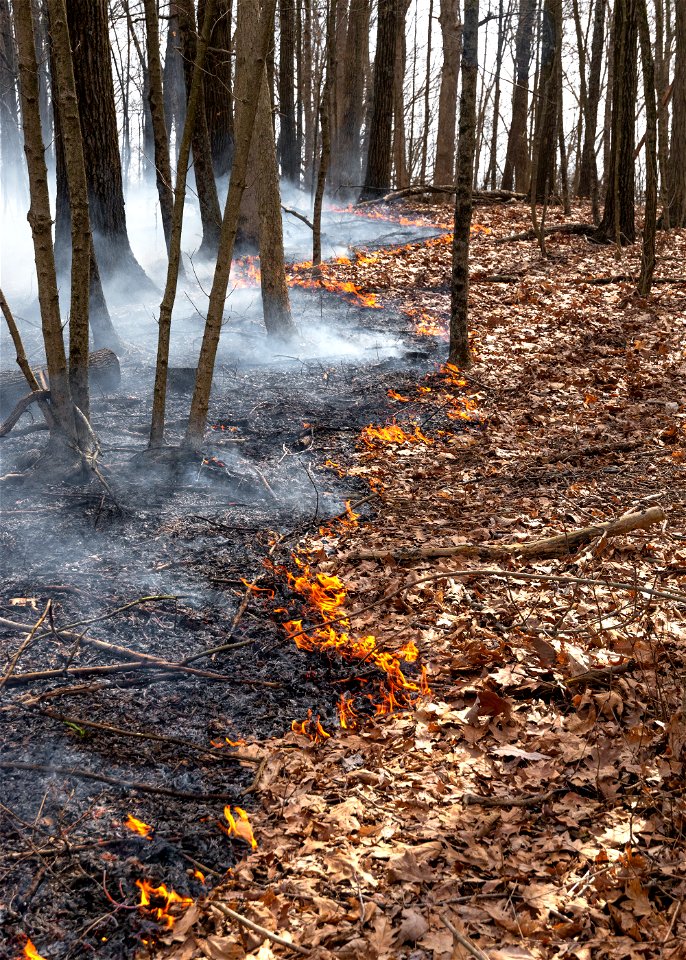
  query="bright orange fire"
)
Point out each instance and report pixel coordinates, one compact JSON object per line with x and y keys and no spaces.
{"x":133,"y":823}
{"x":158,"y":900}
{"x":30,"y":951}
{"x":239,"y":826}
{"x":311,"y":728}
{"x":372,"y":436}
{"x":394,"y":395}
{"x":326,"y":594}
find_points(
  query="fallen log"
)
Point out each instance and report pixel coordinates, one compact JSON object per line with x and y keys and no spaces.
{"x":103,"y":368}
{"x":448,"y":189}
{"x":560,"y":545}
{"x":582,"y":229}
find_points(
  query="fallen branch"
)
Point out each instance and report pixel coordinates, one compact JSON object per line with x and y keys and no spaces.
{"x":80,"y":774}
{"x":256,"y":928}
{"x":484,"y":196}
{"x":584,"y":229}
{"x":559,"y":545}
{"x":36,"y":396}
{"x":600,"y":676}
{"x":24,"y":644}
{"x":298,"y":216}
{"x":528,"y":800}
{"x":464,"y":941}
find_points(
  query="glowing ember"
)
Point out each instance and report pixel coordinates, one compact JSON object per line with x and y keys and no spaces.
{"x":372,"y":436}
{"x":158,"y":900}
{"x":31,"y":952}
{"x":311,"y":728}
{"x":133,"y":823}
{"x":239,"y":826}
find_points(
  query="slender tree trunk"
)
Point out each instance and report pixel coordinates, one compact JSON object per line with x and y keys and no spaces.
{"x":583,"y":89}
{"x":492,"y":161}
{"x":162,"y":162}
{"x":167,"y":305}
{"x":516,"y":170}
{"x":244,"y":130}
{"x":174,"y":82}
{"x":459,"y":312}
{"x":427,"y":98}
{"x":289,"y":156}
{"x":663,"y":86}
{"x":451,"y":36}
{"x":379,"y":160}
{"x":310,"y":118}
{"x":676,"y":173}
{"x":588,"y":173}
{"x":547,"y":109}
{"x":325,"y":114}
{"x":402,"y":178}
{"x":81,"y":242}
{"x":617,"y":224}
{"x":13,"y":183}
{"x":564,"y":171}
{"x":650,"y":222}
{"x":218,"y":91}
{"x":210,"y":212}
{"x":607,"y":119}
{"x":262,"y":190}
{"x":40,"y":220}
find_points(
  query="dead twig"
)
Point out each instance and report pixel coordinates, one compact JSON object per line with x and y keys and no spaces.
{"x":24,"y":644}
{"x":463,"y":940}
{"x":528,"y":800}
{"x":256,"y":928}
{"x":132,"y":786}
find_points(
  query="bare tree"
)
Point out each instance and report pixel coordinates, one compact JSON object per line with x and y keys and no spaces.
{"x":379,"y":159}
{"x":288,"y":145}
{"x":156,"y":96}
{"x":325,"y":113}
{"x":516,"y":172}
{"x":676,"y":172}
{"x":650,"y":222}
{"x":451,"y":35}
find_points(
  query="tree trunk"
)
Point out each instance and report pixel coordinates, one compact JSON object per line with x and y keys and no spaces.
{"x":663,"y":86}
{"x":174,"y":85}
{"x":583,"y":89}
{"x":547,"y":108}
{"x":155,"y":92}
{"x":289,"y":156}
{"x":89,"y":34}
{"x":262,"y":190}
{"x":564,"y":171}
{"x":516,"y":174}
{"x":402,"y":178}
{"x":308,"y":110}
{"x":676,"y":173}
{"x":350,"y":155}
{"x":81,"y":242}
{"x":379,"y":160}
{"x":218,"y":88}
{"x":459,"y":340}
{"x":607,"y":119}
{"x":650,"y":222}
{"x":40,"y":220}
{"x":617,"y":224}
{"x":174,"y":262}
{"x":210,"y":213}
{"x":427,"y":98}
{"x":451,"y":36}
{"x":245,"y":123}
{"x":492,"y":161}
{"x":588,"y":173}
{"x":10,"y":139}
{"x":325,"y":113}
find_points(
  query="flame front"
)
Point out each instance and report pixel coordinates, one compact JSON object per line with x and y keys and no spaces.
{"x":133,"y":823}
{"x":311,"y":728}
{"x":239,"y":826}
{"x":30,"y":951}
{"x":372,"y":436}
{"x":158,"y":900}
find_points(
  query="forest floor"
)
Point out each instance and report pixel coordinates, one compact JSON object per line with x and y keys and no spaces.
{"x":531,"y":805}
{"x":471,"y":754}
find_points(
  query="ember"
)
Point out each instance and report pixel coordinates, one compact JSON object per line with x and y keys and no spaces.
{"x":158,"y":900}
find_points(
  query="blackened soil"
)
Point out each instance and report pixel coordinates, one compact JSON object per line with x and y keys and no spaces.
{"x":192,"y":534}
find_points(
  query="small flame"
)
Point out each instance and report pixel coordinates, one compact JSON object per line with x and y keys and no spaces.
{"x":347,"y":715}
{"x":394,"y":395}
{"x":158,"y":900}
{"x":199,"y":875}
{"x":133,"y":823}
{"x":371,"y":436}
{"x":30,"y":951}
{"x":239,"y":826}
{"x":311,"y":728}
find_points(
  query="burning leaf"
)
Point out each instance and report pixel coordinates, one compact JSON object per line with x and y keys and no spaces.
{"x":311,"y":728}
{"x":239,"y":826}
{"x":158,"y":900}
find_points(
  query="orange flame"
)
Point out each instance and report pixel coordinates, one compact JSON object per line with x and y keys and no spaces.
{"x":239,"y":826}
{"x":371,"y":436}
{"x":199,"y":875}
{"x":133,"y":823}
{"x":311,"y":728}
{"x":394,"y":395}
{"x":158,"y":900}
{"x":30,"y":951}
